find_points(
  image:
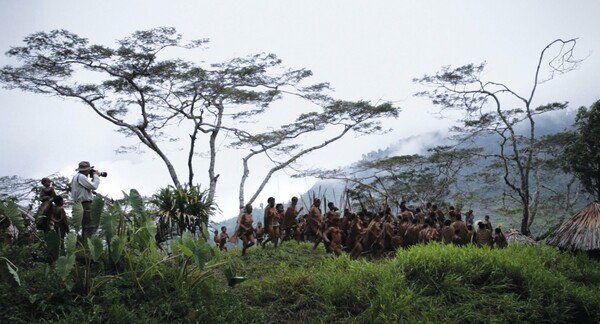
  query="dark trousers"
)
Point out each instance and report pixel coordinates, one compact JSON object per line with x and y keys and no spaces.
{"x":87,"y":226}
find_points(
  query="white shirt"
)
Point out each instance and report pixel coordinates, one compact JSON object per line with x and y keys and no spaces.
{"x":82,"y":186}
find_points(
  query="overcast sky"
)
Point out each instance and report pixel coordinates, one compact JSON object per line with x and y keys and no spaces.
{"x":367,"y":50}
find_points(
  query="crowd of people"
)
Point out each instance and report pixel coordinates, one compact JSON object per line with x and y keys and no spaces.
{"x":363,"y":232}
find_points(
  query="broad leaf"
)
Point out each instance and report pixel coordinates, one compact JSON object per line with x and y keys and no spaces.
{"x":13,"y":271}
{"x":71,"y":243}
{"x":205,"y":234}
{"x":137,"y":202}
{"x":77,"y":216}
{"x":200,"y":257}
{"x":9,"y":273}
{"x":110,"y":220}
{"x":117,"y":245}
{"x":64,"y":265}
{"x":13,"y":214}
{"x":185,"y":250}
{"x":187,"y":240}
{"x":53,"y":244}
{"x":96,"y":212}
{"x":96,"y":249}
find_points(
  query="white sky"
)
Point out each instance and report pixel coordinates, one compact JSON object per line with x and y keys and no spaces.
{"x":368,"y":50}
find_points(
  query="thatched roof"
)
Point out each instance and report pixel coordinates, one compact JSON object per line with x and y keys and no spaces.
{"x":514,"y":236}
{"x":580,"y":232}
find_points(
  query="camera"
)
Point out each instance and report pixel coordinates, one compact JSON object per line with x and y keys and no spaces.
{"x":101,"y":174}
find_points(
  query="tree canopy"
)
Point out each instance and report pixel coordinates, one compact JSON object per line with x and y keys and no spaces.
{"x":147,"y":91}
{"x":491,"y":108}
{"x":582,"y":154}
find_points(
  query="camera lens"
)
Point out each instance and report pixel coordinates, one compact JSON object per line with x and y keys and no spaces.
{"x":103,"y":174}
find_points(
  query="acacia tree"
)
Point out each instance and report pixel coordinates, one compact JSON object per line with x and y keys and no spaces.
{"x":582,"y":154}
{"x":411,"y":178}
{"x":138,"y":88}
{"x":285,"y":145}
{"x":494,"y":109}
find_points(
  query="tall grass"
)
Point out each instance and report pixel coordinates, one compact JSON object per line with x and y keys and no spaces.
{"x":431,"y":283}
{"x":293,"y":283}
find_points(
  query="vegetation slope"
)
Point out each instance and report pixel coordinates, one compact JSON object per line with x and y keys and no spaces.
{"x":293,"y":283}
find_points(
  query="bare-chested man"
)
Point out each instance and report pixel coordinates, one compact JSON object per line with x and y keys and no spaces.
{"x":259,"y":233}
{"x":499,"y":239}
{"x":301,"y":229}
{"x":245,"y":231}
{"x":458,"y":224}
{"x":373,"y":240}
{"x":356,"y":234}
{"x":277,"y":219}
{"x":438,"y":214}
{"x":447,"y":232}
{"x":420,"y":216}
{"x":315,"y":222}
{"x":223,"y":237}
{"x":332,"y":212}
{"x":269,"y":218}
{"x":390,"y":232}
{"x":484,"y":236}
{"x":289,"y":219}
{"x":345,"y":225}
{"x":411,"y":236}
{"x":333,"y":236}
{"x":471,"y":235}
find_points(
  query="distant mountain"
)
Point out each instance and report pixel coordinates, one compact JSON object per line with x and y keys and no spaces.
{"x":491,"y":198}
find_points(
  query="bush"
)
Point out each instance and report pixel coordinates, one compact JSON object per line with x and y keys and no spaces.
{"x":434,"y":283}
{"x":292,"y":283}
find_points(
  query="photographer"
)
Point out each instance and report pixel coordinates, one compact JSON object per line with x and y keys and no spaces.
{"x":82,"y":189}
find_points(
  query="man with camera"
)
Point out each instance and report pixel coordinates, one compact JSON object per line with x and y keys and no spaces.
{"x":82,"y":190}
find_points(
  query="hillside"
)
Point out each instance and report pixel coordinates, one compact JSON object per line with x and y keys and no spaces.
{"x":558,"y":197}
{"x":296,"y":284}
{"x":433,"y":283}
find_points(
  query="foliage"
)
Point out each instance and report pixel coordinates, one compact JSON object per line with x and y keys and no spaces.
{"x":582,"y":155}
{"x":53,"y":244}
{"x":182,"y":209}
{"x":140,"y":79}
{"x":490,"y":108}
{"x":294,"y":283}
{"x":192,"y":257}
{"x":9,"y":272}
{"x":431,"y":283}
{"x":287,"y":144}
{"x":10,"y":213}
{"x":415,"y":179}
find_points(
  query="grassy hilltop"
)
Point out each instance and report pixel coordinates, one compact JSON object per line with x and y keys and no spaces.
{"x":292,"y":283}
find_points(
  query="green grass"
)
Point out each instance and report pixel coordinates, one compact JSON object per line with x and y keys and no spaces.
{"x":292,"y":283}
{"x":432,"y":283}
